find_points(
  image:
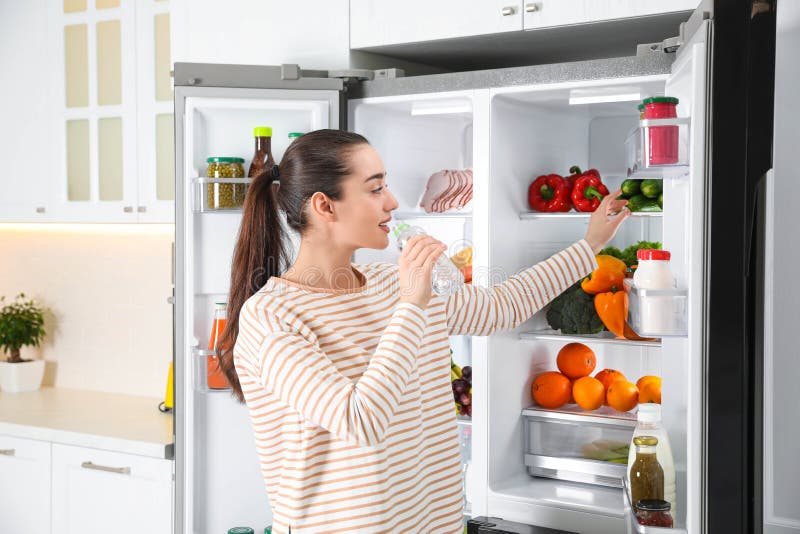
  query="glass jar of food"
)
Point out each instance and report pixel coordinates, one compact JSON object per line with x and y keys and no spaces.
{"x":221,"y":195}
{"x":654,"y":513}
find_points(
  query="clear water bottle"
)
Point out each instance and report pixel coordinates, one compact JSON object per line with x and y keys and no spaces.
{"x":446,"y":278}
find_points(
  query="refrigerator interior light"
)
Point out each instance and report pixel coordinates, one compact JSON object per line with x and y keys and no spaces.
{"x":440,"y":107}
{"x":602,"y":95}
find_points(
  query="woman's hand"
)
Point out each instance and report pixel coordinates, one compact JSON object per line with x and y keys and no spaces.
{"x":603,"y":225}
{"x":416,"y":265}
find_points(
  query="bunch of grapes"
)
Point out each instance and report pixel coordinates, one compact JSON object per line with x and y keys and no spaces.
{"x":462,"y":390}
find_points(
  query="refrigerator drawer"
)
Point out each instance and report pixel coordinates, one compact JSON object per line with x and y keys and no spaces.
{"x":568,"y":444}
{"x":658,"y":312}
{"x":658,"y":148}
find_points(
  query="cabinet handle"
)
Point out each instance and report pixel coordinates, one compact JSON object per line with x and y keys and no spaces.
{"x":510,"y":10}
{"x":8,"y":452}
{"x":128,"y":209}
{"x":40,"y":209}
{"x":141,"y":209}
{"x":531,"y":8}
{"x":120,"y":470}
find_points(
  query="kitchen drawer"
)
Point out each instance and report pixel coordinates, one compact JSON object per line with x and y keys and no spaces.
{"x":25,"y":490}
{"x":101,"y":491}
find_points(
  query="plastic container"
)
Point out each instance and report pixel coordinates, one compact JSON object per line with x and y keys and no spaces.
{"x":653,"y":270}
{"x":656,"y":306}
{"x":221,"y":195}
{"x":262,"y":158}
{"x":215,"y":377}
{"x":649,"y":424}
{"x":569,"y":444}
{"x":663,"y":140}
{"x":446,"y":278}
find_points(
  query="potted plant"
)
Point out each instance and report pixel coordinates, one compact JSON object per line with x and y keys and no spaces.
{"x":21,"y":324}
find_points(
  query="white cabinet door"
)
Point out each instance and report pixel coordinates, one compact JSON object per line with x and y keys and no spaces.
{"x":378,"y":23}
{"x":549,"y":13}
{"x":98,"y":491}
{"x":24,"y":485}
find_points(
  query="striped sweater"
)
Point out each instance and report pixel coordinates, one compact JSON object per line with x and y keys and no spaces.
{"x":349,"y":394}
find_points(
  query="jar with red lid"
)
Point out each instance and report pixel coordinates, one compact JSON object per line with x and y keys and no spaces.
{"x":654,"y":513}
{"x":662,"y":140}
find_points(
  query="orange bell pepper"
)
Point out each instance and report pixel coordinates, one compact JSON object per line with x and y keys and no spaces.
{"x":612,"y":308}
{"x":602,"y":280}
{"x":604,"y":261}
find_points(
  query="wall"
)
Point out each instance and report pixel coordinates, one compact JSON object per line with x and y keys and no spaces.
{"x":782,"y":357}
{"x":110,"y":326}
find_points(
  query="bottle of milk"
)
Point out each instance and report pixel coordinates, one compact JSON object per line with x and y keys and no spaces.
{"x":657,"y":312}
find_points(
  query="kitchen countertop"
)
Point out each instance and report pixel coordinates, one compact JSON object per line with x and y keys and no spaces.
{"x":109,"y":421}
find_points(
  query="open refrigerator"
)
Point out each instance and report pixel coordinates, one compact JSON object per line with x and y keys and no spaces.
{"x":509,"y":126}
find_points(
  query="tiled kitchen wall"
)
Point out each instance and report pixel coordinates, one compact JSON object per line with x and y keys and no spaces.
{"x":110,"y":325}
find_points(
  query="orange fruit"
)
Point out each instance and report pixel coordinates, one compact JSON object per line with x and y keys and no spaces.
{"x":648,"y":378}
{"x":589,"y":393}
{"x":576,"y":360}
{"x":551,"y":389}
{"x":650,"y":392}
{"x":608,"y":377}
{"x":622,"y":395}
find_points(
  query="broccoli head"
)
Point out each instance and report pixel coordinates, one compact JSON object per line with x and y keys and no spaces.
{"x":573,"y":312}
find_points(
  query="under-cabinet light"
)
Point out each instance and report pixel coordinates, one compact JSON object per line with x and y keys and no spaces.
{"x":440,"y":108}
{"x":576,"y":98}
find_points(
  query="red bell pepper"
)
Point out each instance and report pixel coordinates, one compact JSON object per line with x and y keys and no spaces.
{"x":588,"y":192}
{"x":549,"y":193}
{"x":577,"y":173}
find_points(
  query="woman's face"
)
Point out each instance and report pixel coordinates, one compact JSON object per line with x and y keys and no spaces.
{"x":364,"y":209}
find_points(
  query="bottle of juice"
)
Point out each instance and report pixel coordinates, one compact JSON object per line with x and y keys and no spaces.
{"x":216,"y":378}
{"x":649,"y":424}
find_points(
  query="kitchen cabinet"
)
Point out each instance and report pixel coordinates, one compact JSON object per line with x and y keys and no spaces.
{"x":98,"y":491}
{"x":387,"y":23}
{"x":550,"y":13}
{"x":374,"y":24}
{"x":25,"y":490}
{"x":96,"y":143}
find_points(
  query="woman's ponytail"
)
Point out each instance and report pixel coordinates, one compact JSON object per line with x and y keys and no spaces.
{"x":317,"y":161}
{"x":260,"y":253}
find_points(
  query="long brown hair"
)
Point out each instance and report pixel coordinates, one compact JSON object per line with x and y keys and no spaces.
{"x":317,"y":161}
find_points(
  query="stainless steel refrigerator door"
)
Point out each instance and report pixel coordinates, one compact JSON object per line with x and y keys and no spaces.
{"x":217,"y":477}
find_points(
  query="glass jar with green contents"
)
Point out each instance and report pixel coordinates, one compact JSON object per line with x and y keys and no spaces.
{"x":220,"y":195}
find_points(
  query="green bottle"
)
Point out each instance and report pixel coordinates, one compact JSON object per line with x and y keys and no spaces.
{"x":241,"y":530}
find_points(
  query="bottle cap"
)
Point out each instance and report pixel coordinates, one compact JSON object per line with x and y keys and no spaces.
{"x":262,"y":131}
{"x":399,"y":228}
{"x":293,"y":135}
{"x":217,"y":159}
{"x":220,"y":304}
{"x":660,"y":100}
{"x":645,"y":440}
{"x":652,"y":254}
{"x":240,"y":530}
{"x":649,"y":412}
{"x":653,"y":505}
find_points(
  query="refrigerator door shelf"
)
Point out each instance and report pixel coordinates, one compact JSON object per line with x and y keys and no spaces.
{"x":603,"y":338}
{"x":633,"y":526}
{"x":200,"y":358}
{"x":658,"y":312}
{"x":659,"y":148}
{"x":213,"y":195}
{"x":570,"y":444}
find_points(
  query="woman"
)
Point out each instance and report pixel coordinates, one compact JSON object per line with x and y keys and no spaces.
{"x":345,"y":368}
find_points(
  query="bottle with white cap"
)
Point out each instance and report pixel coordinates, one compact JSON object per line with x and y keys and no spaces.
{"x":649,"y":424}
